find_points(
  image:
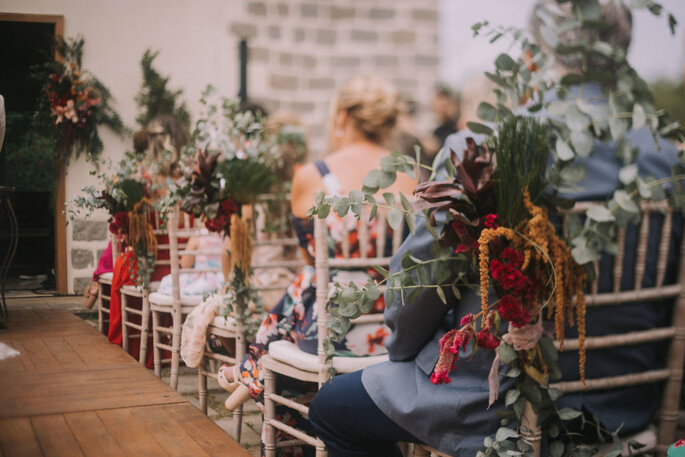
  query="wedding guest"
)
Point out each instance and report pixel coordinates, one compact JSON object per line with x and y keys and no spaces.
{"x":367,"y":412}
{"x":362,"y":116}
{"x":445,"y":109}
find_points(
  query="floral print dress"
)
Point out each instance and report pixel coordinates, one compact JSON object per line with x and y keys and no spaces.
{"x":294,"y":317}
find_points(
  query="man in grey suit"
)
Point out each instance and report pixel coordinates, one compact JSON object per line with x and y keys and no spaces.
{"x":365,"y":413}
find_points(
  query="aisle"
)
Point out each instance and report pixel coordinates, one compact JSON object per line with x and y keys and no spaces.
{"x":71,"y":393}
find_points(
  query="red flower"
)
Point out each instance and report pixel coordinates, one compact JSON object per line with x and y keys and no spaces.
{"x":440,"y":377}
{"x":491,"y":221}
{"x":512,"y":257}
{"x":486,"y":340}
{"x":120,"y":223}
{"x":679,"y":443}
{"x":511,"y":309}
{"x":222,"y":222}
{"x":461,"y":248}
{"x":467,"y":320}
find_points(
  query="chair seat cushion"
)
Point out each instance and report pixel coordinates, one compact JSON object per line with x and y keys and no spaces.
{"x":138,"y":289}
{"x":106,"y":277}
{"x":287,"y":352}
{"x":226,"y":323}
{"x":167,"y":300}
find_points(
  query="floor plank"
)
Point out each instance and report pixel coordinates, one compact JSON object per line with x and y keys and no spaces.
{"x":17,"y":438}
{"x":55,"y":436}
{"x":131,"y":433}
{"x":92,"y":436}
{"x":71,"y":393}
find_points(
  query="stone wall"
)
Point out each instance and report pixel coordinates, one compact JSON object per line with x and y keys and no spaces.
{"x":88,"y":240}
{"x":301,"y":51}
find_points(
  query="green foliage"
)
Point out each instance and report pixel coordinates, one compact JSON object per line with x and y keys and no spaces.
{"x":154,"y":97}
{"x":522,"y":152}
{"x":29,"y":162}
{"x":670,"y":96}
{"x":238,"y":296}
{"x":245,"y":179}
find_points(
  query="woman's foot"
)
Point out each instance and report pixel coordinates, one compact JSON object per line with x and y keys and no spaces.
{"x":91,"y":294}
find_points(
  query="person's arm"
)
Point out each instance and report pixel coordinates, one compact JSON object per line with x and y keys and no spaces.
{"x":414,"y":324}
{"x":188,"y":260}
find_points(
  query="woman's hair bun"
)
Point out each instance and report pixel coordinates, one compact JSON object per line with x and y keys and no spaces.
{"x":372,"y":103}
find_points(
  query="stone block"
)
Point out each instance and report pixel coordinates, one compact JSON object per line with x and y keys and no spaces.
{"x":403,"y":36}
{"x":381,"y":13}
{"x":257,"y":8}
{"x":325,"y":36}
{"x":282,"y":9}
{"x":258,"y":54}
{"x":342,"y":12}
{"x":298,"y":35}
{"x":285,"y":58}
{"x":308,"y":61}
{"x":386,"y":61}
{"x":421,"y":14}
{"x":309,"y":10}
{"x":80,"y":284}
{"x":345,"y":61}
{"x":81,"y":258}
{"x":89,"y":230}
{"x":274,"y":32}
{"x":322,"y":83}
{"x":283,"y":82}
{"x":302,"y":107}
{"x":364,"y":35}
{"x":243,"y":30}
{"x":422,"y":60}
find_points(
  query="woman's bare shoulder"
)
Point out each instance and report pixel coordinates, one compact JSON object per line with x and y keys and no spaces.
{"x":306,"y":183}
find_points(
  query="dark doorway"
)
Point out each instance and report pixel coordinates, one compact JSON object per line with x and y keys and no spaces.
{"x":26,"y":155}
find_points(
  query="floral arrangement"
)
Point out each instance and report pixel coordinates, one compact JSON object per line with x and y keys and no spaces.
{"x":76,"y":103}
{"x":491,"y":214}
{"x":129,"y":198}
{"x":235,"y":163}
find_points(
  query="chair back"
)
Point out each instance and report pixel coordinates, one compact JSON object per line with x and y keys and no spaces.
{"x":658,"y":221}
{"x":323,"y":262}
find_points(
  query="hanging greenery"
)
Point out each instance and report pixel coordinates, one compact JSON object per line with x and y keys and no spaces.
{"x":155,"y":98}
{"x":76,"y":103}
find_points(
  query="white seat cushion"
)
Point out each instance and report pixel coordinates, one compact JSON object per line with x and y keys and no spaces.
{"x":287,"y":352}
{"x":226,"y":323}
{"x":106,"y":276}
{"x":166,"y":300}
{"x":154,"y":285}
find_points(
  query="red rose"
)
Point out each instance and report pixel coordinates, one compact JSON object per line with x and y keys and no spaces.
{"x":491,"y":221}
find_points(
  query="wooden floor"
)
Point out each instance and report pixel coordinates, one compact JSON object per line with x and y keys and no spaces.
{"x":71,"y":393}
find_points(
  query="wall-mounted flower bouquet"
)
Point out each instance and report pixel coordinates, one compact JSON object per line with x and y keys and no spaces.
{"x":76,"y":103}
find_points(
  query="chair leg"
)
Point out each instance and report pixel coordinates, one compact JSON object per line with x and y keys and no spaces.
{"x":144,"y":324}
{"x":238,"y":422}
{"x":124,"y":321}
{"x":155,"y":344}
{"x":202,"y":384}
{"x":100,"y":318}
{"x":420,"y":451}
{"x":269,"y":413}
{"x":175,"y":349}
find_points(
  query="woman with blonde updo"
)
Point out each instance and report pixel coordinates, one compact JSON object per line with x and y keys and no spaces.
{"x":362,"y":116}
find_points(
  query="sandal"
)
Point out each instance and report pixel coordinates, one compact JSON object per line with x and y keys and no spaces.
{"x":91,"y":293}
{"x":239,"y":391}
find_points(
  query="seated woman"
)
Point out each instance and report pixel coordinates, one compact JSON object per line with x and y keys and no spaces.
{"x":200,"y":282}
{"x":363,"y":115}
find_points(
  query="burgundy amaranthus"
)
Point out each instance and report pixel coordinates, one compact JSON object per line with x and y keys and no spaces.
{"x":119,"y":225}
{"x":450,"y":345}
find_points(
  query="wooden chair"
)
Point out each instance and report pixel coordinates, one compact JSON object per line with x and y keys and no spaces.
{"x":176,"y":306}
{"x":105,"y":283}
{"x":664,"y":435}
{"x":226,"y":328}
{"x":287,"y":359}
{"x":135,"y":304}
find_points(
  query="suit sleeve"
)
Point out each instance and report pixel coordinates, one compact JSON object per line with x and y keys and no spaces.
{"x":415,"y":324}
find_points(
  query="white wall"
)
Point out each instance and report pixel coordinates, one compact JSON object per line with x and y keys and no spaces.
{"x":196,"y":49}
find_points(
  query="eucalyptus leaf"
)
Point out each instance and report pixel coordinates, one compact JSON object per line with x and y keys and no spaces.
{"x":487,"y":112}
{"x":505,"y":63}
{"x":628,"y":174}
{"x":639,"y":116}
{"x":564,"y":151}
{"x":504,"y":433}
{"x":395,"y":217}
{"x":507,"y":354}
{"x":600,"y":213}
{"x":511,"y":396}
{"x":475,"y":127}
{"x":582,"y":142}
{"x":567,"y":414}
{"x":441,"y":295}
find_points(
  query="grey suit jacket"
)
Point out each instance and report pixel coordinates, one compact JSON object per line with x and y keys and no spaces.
{"x":454,"y":417}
